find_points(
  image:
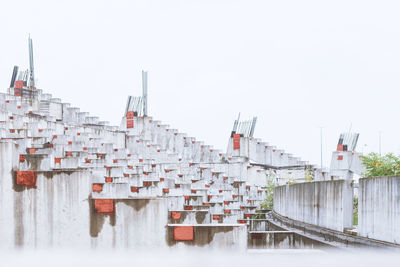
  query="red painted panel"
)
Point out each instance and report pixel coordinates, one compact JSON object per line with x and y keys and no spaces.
{"x":57,"y":160}
{"x":134,"y":189}
{"x":236,"y":141}
{"x":97,"y":187}
{"x":27,"y":178}
{"x":183,"y":233}
{"x":176,"y":215}
{"x":105,"y":206}
{"x":19,"y":84}
{"x":215,"y":217}
{"x":129,"y":115}
{"x":129,"y":124}
{"x":17,"y":92}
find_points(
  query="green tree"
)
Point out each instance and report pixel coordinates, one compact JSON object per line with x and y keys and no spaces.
{"x":376,"y":165}
{"x":268,"y":203}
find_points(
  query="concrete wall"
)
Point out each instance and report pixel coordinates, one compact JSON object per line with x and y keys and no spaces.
{"x":326,"y":204}
{"x":223,"y":236}
{"x":53,"y":214}
{"x":379,"y":208}
{"x":59,"y":213}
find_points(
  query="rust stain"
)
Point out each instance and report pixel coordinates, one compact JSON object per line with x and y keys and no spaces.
{"x":200,"y":216}
{"x":18,"y":220}
{"x":97,"y":219}
{"x":136,"y":204}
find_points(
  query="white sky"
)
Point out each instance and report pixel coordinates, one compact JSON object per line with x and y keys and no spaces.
{"x":297,"y":65}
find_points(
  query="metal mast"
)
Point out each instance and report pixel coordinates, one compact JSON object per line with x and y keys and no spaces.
{"x":31,"y":67}
{"x":144,"y":88}
{"x":14,"y":76}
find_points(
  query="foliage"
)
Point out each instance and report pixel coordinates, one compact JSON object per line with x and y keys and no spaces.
{"x":376,"y":165}
{"x":308,"y":175}
{"x":355,"y":210}
{"x":268,"y":203}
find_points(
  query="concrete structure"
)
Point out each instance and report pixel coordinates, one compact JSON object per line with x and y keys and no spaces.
{"x":69,"y":179}
{"x":327,"y":204}
{"x":379,"y":208}
{"x":325,"y":209}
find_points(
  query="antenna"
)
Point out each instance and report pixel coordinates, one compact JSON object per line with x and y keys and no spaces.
{"x":320,"y":137}
{"x":14,"y":76}
{"x":235,"y":124}
{"x":144,"y":88}
{"x":31,"y":67}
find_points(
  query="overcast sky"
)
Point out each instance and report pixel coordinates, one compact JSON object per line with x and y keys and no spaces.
{"x":297,"y":65}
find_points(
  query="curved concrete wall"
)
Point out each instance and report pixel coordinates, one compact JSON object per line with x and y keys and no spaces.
{"x":379,"y":208}
{"x":326,"y":204}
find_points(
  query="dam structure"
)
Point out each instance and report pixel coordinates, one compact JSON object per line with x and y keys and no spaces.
{"x":70,"y":180}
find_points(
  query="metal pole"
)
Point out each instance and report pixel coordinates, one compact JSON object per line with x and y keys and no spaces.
{"x":31,"y":66}
{"x":380,"y":134}
{"x":144,"y":87}
{"x":321,"y":145}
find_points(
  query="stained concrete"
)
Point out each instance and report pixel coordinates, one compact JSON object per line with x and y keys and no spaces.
{"x":379,"y":208}
{"x":327,"y":204}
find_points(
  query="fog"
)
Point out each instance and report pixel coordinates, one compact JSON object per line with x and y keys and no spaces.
{"x":177,"y":258}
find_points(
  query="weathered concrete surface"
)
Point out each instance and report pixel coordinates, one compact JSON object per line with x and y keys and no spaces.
{"x":58,"y":213}
{"x":227,"y":236}
{"x":327,"y":204}
{"x":136,"y":224}
{"x":52,"y":214}
{"x":379,"y":208}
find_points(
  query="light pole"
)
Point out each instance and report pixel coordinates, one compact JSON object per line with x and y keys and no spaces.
{"x":380,"y":143}
{"x":321,"y":144}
